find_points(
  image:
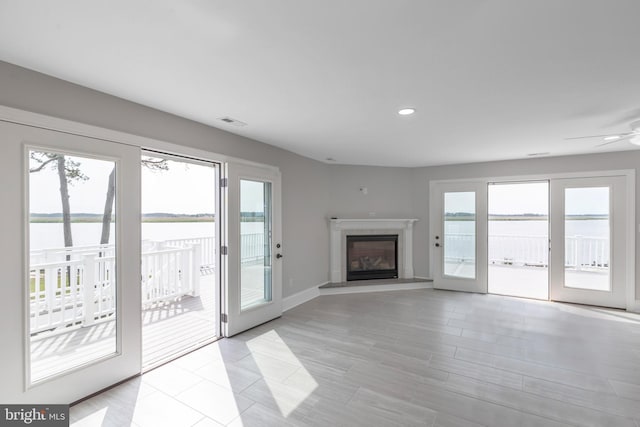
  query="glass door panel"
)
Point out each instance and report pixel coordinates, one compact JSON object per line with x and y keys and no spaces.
{"x":255,"y":243}
{"x":72,"y":263}
{"x":587,"y":238}
{"x":460,"y":234}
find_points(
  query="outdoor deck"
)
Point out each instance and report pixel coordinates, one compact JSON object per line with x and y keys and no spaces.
{"x":168,"y":328}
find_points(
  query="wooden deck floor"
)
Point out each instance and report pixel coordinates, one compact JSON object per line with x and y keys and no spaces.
{"x":168,"y":328}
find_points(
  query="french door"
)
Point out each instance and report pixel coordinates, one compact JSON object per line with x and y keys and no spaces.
{"x":459,"y":236}
{"x":71,"y":264}
{"x":254,"y":264}
{"x":588,"y":240}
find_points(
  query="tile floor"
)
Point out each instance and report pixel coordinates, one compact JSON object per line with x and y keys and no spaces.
{"x":420,"y":357}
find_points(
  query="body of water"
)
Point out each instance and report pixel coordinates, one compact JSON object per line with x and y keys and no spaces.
{"x":585,"y":228}
{"x":49,"y":235}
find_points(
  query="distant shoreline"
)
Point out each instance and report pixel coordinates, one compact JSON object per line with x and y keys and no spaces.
{"x":526,"y":217}
{"x":95,"y":221}
{"x":87,"y":218}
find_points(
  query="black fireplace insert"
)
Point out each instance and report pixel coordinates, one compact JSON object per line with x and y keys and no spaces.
{"x":372,"y":257}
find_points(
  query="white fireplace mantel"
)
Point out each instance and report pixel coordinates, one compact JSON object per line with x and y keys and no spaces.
{"x":339,"y":227}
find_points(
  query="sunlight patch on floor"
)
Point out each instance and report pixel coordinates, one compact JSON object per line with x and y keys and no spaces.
{"x":287,"y":398}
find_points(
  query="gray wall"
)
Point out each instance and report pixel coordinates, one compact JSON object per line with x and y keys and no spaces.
{"x":388,"y":193}
{"x":305,"y":193}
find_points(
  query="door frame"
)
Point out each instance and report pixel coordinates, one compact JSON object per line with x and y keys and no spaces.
{"x":630,"y":206}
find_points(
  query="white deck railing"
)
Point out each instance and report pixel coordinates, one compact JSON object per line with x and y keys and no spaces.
{"x":81,"y":291}
{"x":76,"y":286}
{"x":581,"y":252}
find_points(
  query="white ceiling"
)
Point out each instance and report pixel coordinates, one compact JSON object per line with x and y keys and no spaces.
{"x":489,"y":79}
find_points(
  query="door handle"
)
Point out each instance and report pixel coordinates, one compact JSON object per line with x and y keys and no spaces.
{"x":279,"y":256}
{"x":437,"y":245}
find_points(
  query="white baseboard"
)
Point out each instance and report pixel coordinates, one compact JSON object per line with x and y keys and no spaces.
{"x":376,"y":288}
{"x":301,"y":297}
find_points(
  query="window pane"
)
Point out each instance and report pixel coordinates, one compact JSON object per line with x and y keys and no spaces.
{"x":255,"y":242}
{"x":72,"y":273}
{"x":460,"y":234}
{"x":587,"y":238}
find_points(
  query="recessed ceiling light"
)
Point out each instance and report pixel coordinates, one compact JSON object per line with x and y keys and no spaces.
{"x":406,"y":111}
{"x":612,"y":137}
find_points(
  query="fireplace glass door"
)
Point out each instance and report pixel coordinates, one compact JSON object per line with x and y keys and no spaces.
{"x":372,"y":257}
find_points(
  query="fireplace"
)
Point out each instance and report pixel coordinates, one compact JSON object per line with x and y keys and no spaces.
{"x":372,"y":257}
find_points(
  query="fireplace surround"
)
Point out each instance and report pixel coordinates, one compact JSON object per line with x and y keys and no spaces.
{"x":340,"y":228}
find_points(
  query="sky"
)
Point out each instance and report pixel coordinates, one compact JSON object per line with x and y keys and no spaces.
{"x":532,"y":197}
{"x":186,"y":188}
{"x":169,"y":191}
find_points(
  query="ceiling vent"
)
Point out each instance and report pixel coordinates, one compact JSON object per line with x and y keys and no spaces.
{"x":232,"y":121}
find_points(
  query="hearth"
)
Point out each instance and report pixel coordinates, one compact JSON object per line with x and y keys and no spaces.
{"x":372,"y":257}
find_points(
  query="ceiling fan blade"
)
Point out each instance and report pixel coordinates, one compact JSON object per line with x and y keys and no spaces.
{"x":623,"y":138}
{"x":596,"y":136}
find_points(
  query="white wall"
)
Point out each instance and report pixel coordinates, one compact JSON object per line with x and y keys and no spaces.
{"x":305,"y":193}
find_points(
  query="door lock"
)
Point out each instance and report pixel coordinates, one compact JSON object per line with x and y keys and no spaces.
{"x":279,"y":256}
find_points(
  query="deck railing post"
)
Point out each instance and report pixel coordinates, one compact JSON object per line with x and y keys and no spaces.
{"x":88,"y":283}
{"x":185,"y":284}
{"x":196,"y":258}
{"x":50,"y":288}
{"x":579,"y":250}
